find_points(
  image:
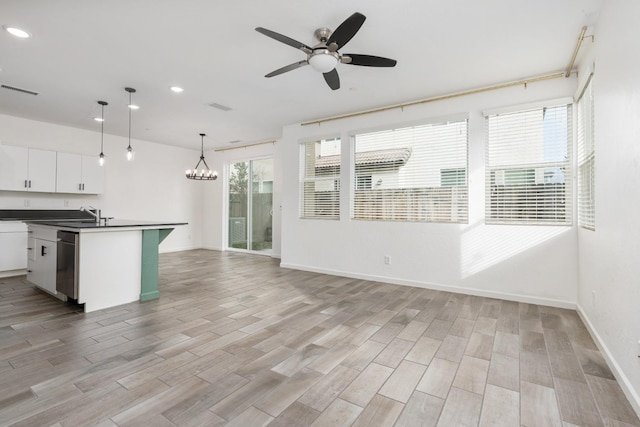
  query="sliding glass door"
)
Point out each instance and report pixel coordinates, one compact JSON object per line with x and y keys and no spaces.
{"x":250,"y":205}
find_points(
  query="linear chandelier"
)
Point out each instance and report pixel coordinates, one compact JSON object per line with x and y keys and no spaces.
{"x":205,"y":174}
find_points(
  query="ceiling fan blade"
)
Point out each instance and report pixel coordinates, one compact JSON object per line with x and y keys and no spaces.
{"x":284,"y":39}
{"x":347,"y":30}
{"x":332,"y":79}
{"x":368,"y":60}
{"x":288,"y":68}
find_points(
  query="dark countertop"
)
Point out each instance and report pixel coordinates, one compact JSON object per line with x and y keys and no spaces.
{"x":113,"y":223}
{"x":43,"y":215}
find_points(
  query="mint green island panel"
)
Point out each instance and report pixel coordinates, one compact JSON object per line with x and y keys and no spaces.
{"x":151,"y":240}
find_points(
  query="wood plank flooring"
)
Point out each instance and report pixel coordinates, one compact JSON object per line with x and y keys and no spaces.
{"x":235,"y":340}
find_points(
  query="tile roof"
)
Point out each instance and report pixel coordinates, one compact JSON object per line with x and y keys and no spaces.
{"x":394,"y":156}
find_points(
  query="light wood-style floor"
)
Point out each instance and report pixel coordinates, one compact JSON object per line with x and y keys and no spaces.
{"x":235,"y":340}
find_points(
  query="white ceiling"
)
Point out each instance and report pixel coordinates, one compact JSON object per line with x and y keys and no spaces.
{"x":83,"y":51}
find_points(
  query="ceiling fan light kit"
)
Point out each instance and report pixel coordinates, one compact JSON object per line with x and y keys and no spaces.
{"x":324,"y":57}
{"x":323,"y":60}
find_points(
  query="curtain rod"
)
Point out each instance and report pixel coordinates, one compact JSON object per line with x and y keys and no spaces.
{"x":244,"y":146}
{"x":523,"y":82}
{"x":575,"y":51}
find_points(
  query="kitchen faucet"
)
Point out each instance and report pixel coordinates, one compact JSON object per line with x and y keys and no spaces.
{"x":95,"y":213}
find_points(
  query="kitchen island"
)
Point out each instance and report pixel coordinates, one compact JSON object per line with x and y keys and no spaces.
{"x":115,"y":262}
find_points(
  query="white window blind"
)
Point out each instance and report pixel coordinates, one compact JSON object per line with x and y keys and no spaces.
{"x":320,"y":179}
{"x":528,"y":167}
{"x":586,"y":160}
{"x":412,"y":174}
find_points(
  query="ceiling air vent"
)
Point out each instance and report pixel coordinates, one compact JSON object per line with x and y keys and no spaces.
{"x":235,"y":141}
{"x":17,"y":89}
{"x":219,"y":106}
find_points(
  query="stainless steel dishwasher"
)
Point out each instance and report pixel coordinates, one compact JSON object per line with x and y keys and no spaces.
{"x":67,"y":264}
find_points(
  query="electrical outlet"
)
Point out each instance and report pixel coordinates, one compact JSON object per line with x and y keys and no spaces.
{"x":593,"y":298}
{"x":27,"y":203}
{"x":66,"y":203}
{"x":387,"y":259}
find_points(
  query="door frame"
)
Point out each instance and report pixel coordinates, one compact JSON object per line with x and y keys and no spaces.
{"x":227,"y":169}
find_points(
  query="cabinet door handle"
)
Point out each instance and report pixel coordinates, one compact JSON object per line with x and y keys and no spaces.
{"x":83,"y":187}
{"x":79,"y":187}
{"x":25,"y":183}
{"x":43,"y":251}
{"x":29,"y":183}
{"x":29,"y":249}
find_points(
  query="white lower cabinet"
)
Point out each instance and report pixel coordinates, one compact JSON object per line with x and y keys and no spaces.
{"x":42,"y":260}
{"x":13,"y":247}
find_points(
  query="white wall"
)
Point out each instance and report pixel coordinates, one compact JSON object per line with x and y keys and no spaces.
{"x":537,"y":264}
{"x":152,"y":187}
{"x":609,"y":271}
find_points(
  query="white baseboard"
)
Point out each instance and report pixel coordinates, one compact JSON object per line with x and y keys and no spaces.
{"x":176,"y":249}
{"x":13,"y":273}
{"x":440,"y":287}
{"x":211,"y":248}
{"x":623,"y":380}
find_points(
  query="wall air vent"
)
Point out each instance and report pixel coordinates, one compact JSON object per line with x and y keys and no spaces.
{"x":17,"y":89}
{"x":219,"y":106}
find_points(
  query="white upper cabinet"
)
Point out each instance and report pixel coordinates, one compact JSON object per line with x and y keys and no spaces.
{"x":79,"y":174}
{"x":27,"y":169}
{"x":92,"y":175}
{"x":69,"y":175}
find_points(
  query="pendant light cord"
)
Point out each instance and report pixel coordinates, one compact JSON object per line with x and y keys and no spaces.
{"x":102,"y":131}
{"x":101,"y":157}
{"x":129,"y":120}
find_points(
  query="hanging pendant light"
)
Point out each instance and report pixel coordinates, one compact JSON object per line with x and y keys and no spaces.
{"x":101,"y":159}
{"x":205,"y":174}
{"x":130,"y":153}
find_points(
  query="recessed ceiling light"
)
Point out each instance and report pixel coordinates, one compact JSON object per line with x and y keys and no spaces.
{"x":176,"y":89}
{"x":98,"y":119}
{"x":133,"y":106}
{"x":17,"y":32}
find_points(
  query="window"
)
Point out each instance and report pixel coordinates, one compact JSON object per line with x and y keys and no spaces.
{"x":320,"y":183}
{"x":586,"y":160}
{"x":363,"y":182}
{"x":412,"y":174}
{"x":528,"y":169}
{"x":453,"y":177}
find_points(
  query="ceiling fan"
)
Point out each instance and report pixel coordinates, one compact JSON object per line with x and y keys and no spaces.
{"x":325,"y":56}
